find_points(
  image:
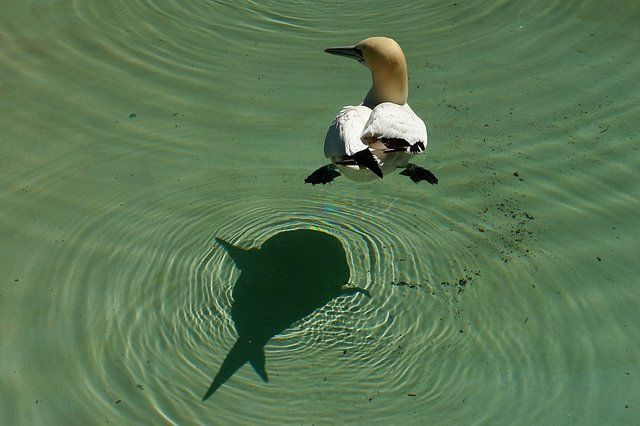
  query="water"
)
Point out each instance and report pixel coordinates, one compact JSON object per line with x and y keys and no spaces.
{"x":135,"y":133}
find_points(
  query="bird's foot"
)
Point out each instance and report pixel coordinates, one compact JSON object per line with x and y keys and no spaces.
{"x":417,"y":173}
{"x":324,"y":174}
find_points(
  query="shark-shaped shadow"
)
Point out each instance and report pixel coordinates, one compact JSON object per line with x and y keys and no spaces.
{"x":290,"y":276}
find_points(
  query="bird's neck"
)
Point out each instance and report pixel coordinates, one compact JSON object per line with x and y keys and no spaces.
{"x":390,"y":85}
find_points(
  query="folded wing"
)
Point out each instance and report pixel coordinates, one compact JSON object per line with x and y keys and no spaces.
{"x":343,"y":136}
{"x":395,"y":127}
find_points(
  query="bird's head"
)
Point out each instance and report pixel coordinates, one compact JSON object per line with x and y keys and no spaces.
{"x":384,"y":57}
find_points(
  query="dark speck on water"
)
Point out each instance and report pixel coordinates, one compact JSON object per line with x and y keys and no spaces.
{"x":133,"y":115}
{"x":404,"y":284}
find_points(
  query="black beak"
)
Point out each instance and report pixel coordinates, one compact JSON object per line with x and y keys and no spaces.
{"x":353,"y":52}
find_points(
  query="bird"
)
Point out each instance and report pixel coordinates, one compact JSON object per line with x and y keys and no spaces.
{"x":368,"y":141}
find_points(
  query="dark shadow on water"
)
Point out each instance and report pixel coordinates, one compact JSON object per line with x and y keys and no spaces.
{"x":290,"y":276}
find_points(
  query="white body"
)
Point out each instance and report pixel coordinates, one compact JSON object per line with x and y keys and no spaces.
{"x":358,"y":127}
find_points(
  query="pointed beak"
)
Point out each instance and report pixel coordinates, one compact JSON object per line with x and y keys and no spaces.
{"x":353,"y":52}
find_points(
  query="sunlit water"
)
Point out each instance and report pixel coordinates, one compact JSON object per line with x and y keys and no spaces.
{"x":135,"y":133}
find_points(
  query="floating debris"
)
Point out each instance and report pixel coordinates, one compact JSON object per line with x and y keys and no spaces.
{"x":406,"y":284}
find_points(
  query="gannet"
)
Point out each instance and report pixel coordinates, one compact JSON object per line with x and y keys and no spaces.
{"x":381,"y":134}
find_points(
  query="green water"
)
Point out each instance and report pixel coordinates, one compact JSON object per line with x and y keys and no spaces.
{"x":135,"y":133}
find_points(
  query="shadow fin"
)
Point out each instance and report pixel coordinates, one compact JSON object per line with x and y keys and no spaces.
{"x":241,"y":352}
{"x":237,"y":254}
{"x":257,"y":361}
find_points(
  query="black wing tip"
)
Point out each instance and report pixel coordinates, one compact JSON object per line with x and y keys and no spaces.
{"x":366,"y":159}
{"x":417,"y":147}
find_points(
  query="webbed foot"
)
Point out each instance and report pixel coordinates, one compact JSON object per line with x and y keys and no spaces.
{"x":417,"y":173}
{"x":324,"y":174}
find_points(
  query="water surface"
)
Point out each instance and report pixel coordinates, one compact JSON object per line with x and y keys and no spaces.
{"x":136,"y":133}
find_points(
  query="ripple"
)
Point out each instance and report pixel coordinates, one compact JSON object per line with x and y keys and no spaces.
{"x":145,"y":130}
{"x":156,"y":291}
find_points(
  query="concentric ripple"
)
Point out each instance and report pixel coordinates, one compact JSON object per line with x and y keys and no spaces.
{"x":136,"y":133}
{"x":172,"y":318}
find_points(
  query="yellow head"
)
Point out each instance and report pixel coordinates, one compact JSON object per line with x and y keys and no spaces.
{"x":384,"y":57}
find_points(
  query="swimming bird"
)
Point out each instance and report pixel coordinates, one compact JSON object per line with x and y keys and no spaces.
{"x":375,"y":138}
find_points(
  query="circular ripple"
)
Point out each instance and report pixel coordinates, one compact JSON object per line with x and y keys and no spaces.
{"x":140,"y":319}
{"x":155,"y":306}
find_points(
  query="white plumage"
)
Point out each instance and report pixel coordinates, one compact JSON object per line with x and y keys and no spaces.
{"x":344,"y":137}
{"x":389,"y":121}
{"x":358,"y":127}
{"x":382,"y":134}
